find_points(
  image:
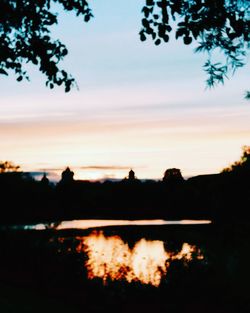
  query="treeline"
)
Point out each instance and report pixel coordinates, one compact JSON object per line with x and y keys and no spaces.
{"x":220,"y":197}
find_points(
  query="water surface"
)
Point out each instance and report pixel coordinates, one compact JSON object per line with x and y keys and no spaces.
{"x":94,"y":223}
{"x":110,"y":258}
{"x":115,"y":255}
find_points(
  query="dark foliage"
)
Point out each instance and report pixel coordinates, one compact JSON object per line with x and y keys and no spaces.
{"x":215,"y":25}
{"x":25,"y":38}
{"x":243,"y":165}
{"x":8,"y":166}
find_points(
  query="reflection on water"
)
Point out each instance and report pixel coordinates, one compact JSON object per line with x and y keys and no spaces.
{"x":91,"y":223}
{"x":84,"y":224}
{"x":110,"y":258}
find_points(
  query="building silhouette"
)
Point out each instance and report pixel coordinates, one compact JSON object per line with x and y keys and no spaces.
{"x":45,"y":180}
{"x":131,"y":175}
{"x":67,"y":176}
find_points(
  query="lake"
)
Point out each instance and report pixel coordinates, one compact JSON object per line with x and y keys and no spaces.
{"x":110,"y":257}
{"x":146,"y":265}
{"x":114,"y":257}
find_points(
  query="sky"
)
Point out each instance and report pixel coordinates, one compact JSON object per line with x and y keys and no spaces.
{"x":138,"y":105}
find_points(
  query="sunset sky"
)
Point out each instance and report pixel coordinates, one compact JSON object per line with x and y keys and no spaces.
{"x":138,"y":105}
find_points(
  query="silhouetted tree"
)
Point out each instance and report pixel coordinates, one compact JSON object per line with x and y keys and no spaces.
{"x":224,"y":25}
{"x":25,"y":38}
{"x":172,"y":174}
{"x":242,"y":164}
{"x":8,"y":166}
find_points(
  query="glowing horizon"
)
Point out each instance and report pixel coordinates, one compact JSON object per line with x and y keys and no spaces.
{"x":139,"y":106}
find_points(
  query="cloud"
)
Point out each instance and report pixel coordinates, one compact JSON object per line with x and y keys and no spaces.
{"x":51,"y":169}
{"x":87,"y":167}
{"x":105,"y":167}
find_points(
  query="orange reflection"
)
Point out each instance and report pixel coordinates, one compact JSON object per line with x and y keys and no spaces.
{"x":110,"y":258}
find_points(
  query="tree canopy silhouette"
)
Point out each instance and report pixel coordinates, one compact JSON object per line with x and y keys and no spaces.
{"x":216,"y":25}
{"x":25,"y":38}
{"x":173,"y":175}
{"x":243,"y":164}
{"x":8,"y":166}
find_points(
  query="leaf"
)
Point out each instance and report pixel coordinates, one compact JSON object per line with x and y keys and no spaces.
{"x":150,"y":2}
{"x":146,"y":11}
{"x":166,"y":38}
{"x":2,"y":71}
{"x":142,"y":36}
{"x":187,"y":40}
{"x":180,"y":32}
{"x":168,"y":28}
{"x":86,"y":18}
{"x":145,"y":22}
